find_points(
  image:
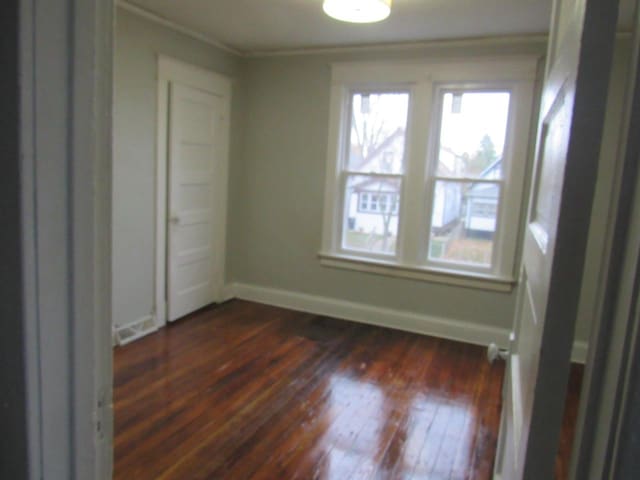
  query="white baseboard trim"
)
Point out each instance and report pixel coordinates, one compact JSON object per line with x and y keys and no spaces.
{"x":383,"y":317}
{"x":227,"y":292}
{"x":579,"y":352}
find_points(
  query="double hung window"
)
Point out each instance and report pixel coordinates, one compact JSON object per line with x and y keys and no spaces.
{"x":426,"y":168}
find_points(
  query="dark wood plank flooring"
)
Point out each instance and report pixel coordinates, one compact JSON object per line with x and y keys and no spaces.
{"x":245,"y":390}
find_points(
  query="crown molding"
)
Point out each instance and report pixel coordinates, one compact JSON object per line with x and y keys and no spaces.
{"x":402,"y":46}
{"x":142,"y":12}
{"x":346,"y":49}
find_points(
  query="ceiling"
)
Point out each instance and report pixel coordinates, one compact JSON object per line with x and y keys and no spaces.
{"x":258,"y":26}
{"x":268,"y":25}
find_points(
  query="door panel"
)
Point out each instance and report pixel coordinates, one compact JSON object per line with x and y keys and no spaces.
{"x":193,"y":146}
{"x":572,"y":114}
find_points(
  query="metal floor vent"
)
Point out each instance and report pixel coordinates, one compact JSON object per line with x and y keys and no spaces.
{"x":132,"y":331}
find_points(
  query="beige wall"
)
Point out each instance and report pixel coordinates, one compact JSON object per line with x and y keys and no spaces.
{"x":138,"y":42}
{"x":278,"y":198}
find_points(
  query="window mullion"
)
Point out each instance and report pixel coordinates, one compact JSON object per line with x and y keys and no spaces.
{"x":373,"y":174}
{"x":340,"y":214}
{"x":412,"y":213}
{"x":468,"y":179}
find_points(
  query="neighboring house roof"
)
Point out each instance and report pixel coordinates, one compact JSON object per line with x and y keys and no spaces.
{"x":486,"y":190}
{"x":442,"y":168}
{"x":377,"y":184}
{"x":494,"y":167}
{"x":361,"y":162}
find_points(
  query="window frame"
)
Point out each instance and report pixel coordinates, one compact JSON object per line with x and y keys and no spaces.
{"x":425,"y":82}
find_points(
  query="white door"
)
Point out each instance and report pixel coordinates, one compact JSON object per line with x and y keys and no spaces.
{"x":571,"y":120}
{"x":194,"y":151}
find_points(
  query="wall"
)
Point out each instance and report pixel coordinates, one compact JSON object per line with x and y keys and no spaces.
{"x":138,"y":42}
{"x":278,"y":198}
{"x":277,"y":170}
{"x":278,"y":193}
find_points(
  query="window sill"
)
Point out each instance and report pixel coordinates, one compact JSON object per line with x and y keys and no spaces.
{"x":381,"y":267}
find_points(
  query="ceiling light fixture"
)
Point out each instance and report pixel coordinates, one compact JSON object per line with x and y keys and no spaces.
{"x":357,"y":11}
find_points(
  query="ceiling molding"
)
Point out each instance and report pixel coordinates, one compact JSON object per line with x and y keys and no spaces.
{"x":490,"y":41}
{"x":142,"y":12}
{"x":399,"y":46}
{"x":363,"y":48}
{"x":283,"y":52}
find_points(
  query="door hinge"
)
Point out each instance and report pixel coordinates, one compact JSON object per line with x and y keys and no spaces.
{"x":100,"y":414}
{"x":495,"y":353}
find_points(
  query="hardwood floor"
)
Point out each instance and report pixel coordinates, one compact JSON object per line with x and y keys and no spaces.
{"x":245,"y":390}
{"x":569,"y":422}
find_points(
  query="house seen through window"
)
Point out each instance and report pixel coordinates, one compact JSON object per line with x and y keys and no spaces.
{"x":468,"y":176}
{"x":374,"y":170}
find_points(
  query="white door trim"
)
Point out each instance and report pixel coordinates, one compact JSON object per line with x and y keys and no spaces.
{"x":65,"y":187}
{"x":601,"y":446}
{"x":172,"y":70}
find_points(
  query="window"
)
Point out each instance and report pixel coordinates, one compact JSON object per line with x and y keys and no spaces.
{"x":375,"y":203}
{"x":468,"y":177}
{"x":426,"y":168}
{"x":373,"y":173}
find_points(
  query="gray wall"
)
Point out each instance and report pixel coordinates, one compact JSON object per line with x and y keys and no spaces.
{"x":604,"y":185}
{"x":277,"y":197}
{"x":280,"y":116}
{"x":13,"y":422}
{"x":277,"y":194}
{"x":138,"y":43}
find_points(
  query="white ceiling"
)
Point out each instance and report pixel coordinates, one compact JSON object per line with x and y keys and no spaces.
{"x":253,"y":26}
{"x":267,"y":25}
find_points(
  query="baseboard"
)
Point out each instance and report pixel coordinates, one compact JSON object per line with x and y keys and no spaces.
{"x":227,"y":292}
{"x":579,"y":352}
{"x":384,"y":317}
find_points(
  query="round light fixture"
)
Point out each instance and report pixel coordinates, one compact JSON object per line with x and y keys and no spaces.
{"x":357,"y":11}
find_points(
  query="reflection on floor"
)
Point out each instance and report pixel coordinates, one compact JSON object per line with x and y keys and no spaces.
{"x":245,"y":390}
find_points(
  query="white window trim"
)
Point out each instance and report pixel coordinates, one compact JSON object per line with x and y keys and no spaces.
{"x":425,"y":81}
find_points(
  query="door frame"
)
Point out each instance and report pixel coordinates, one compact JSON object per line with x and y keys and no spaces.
{"x":603,"y":447}
{"x":579,"y":61}
{"x":172,"y":70}
{"x":65,"y":121}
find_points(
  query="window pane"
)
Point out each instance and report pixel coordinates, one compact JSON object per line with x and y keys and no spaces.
{"x":378,"y":126}
{"x":472,"y":134}
{"x":371,"y":216}
{"x":463,"y":223}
